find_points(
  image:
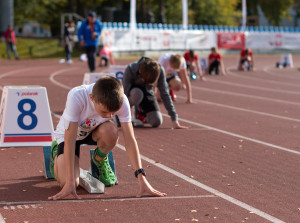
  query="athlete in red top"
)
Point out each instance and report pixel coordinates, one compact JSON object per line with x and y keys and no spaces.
{"x":246,"y":55}
{"x":192,"y":61}
{"x":215,"y":62}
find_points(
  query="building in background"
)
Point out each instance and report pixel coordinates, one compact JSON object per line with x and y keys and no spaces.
{"x":33,"y":29}
{"x":6,"y":14}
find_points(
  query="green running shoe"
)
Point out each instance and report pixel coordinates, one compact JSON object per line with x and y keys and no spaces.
{"x":103,"y":171}
{"x":54,"y":147}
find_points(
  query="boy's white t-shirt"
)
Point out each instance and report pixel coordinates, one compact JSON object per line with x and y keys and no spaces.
{"x":79,"y":108}
{"x":164,"y":60}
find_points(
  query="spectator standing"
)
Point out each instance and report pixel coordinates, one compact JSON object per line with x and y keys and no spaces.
{"x":192,"y":62}
{"x":150,"y":16}
{"x":215,"y":62}
{"x":88,"y":36}
{"x":69,"y":40}
{"x":161,"y":16}
{"x":10,"y":40}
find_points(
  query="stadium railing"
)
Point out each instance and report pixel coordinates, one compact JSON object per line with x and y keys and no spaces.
{"x":215,"y":28}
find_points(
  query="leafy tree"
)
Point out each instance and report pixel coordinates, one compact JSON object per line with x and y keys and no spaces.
{"x":48,"y":12}
{"x":297,"y":10}
{"x":214,"y":12}
{"x":275,"y":10}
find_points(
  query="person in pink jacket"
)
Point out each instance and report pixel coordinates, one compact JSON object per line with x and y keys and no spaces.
{"x":10,"y":40}
{"x":106,"y":57}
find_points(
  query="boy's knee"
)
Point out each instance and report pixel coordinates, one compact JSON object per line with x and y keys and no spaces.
{"x":154,"y":118}
{"x":176,"y":87}
{"x":176,"y":84}
{"x":108,"y":133}
{"x":136,"y":96}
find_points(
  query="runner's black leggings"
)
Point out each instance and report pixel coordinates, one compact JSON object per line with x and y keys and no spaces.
{"x":91,"y":55}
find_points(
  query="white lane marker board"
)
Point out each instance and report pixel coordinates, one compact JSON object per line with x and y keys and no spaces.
{"x":25,"y":117}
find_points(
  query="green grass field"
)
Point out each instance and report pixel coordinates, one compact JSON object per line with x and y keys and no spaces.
{"x":32,"y":48}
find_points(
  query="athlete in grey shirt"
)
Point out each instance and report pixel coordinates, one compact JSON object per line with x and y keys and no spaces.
{"x":138,"y":82}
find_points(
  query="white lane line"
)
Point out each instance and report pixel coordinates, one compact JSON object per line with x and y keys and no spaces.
{"x":210,"y":189}
{"x":156,"y":198}
{"x":254,"y":87}
{"x":244,"y":110}
{"x":231,"y":73}
{"x":266,"y":70}
{"x":245,"y":95}
{"x":35,"y":204}
{"x":12,"y":72}
{"x":1,"y":219}
{"x":59,"y":72}
{"x":238,"y":136}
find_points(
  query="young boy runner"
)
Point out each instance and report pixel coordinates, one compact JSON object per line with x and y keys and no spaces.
{"x":87,"y":119}
{"x":175,"y":66}
{"x":138,"y":81}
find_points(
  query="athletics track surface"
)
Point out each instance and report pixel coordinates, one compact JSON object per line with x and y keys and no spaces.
{"x":239,"y":161}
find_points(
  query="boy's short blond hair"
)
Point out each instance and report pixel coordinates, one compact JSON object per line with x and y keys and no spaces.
{"x":176,"y":61}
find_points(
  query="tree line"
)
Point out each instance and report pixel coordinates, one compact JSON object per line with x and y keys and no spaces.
{"x":208,"y":12}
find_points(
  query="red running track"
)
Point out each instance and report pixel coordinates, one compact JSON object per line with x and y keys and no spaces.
{"x":239,"y":160}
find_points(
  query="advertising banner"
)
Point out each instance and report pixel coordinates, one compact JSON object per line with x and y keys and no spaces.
{"x":231,"y":40}
{"x":273,"y":41}
{"x":201,"y":40}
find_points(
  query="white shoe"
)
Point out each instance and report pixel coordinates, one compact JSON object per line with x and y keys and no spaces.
{"x":69,"y":62}
{"x":137,"y":122}
{"x":61,"y":61}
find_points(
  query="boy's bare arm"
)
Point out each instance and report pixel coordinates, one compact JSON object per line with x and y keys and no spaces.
{"x":199,"y":68}
{"x":184,"y":77}
{"x":135,"y":159}
{"x":69,"y":158}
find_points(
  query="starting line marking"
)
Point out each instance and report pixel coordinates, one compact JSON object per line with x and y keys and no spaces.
{"x":37,"y":204}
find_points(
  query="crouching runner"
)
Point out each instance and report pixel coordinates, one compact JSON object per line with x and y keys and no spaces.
{"x":87,"y":119}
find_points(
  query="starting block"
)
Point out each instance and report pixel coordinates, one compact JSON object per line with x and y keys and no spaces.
{"x":90,"y":78}
{"x":203,"y":64}
{"x":285,"y":61}
{"x":118,"y":70}
{"x":114,"y":71}
{"x":90,"y":183}
{"x":87,"y":179}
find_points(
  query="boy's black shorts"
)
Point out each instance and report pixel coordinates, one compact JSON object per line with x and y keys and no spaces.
{"x":87,"y":140}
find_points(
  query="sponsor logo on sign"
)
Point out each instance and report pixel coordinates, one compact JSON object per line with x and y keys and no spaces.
{"x":27,"y":93}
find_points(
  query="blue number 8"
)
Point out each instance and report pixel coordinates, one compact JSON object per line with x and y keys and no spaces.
{"x":25,"y":113}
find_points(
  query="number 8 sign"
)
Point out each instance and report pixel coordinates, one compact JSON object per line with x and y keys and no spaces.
{"x":25,"y":118}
